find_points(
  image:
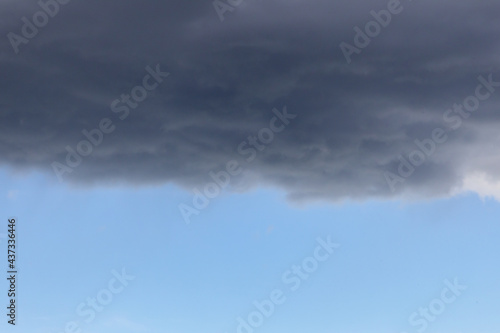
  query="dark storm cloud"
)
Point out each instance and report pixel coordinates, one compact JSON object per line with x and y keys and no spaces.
{"x":353,"y":120}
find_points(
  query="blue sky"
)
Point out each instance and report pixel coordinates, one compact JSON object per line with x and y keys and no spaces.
{"x":393,"y":259}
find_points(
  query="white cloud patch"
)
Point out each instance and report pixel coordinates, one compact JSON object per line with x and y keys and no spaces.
{"x":484,"y":186}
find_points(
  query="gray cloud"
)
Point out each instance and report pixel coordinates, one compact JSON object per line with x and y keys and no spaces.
{"x":353,"y":120}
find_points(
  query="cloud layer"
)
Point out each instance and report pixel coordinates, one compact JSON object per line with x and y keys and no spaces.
{"x":354,"y":121}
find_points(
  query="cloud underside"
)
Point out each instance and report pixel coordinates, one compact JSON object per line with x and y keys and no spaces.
{"x":355,"y":122}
